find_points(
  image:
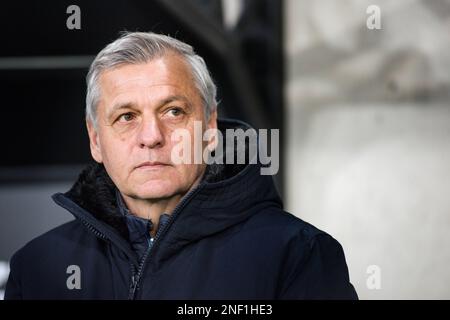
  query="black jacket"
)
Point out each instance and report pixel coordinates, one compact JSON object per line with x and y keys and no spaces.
{"x":228,"y":238}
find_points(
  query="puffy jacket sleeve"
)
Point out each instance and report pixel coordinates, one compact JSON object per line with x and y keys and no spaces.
{"x":13,"y":289}
{"x":317,"y":270}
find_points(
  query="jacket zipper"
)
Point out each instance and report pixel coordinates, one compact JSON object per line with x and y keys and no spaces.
{"x":101,"y":235}
{"x":94,"y":230}
{"x":136,"y":277}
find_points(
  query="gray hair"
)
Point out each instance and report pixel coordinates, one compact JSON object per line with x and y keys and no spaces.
{"x":141,"y":47}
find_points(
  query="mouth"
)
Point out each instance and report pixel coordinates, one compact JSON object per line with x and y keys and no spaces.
{"x":152,"y":165}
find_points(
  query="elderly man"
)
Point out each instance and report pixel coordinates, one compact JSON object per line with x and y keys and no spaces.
{"x":147,"y":227}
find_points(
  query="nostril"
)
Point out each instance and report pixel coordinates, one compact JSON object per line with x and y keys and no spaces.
{"x":151,"y":145}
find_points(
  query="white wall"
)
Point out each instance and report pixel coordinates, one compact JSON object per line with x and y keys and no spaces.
{"x":369,"y":137}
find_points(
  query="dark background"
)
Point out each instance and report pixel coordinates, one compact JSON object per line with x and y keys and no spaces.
{"x":43,"y":66}
{"x":42,"y":77}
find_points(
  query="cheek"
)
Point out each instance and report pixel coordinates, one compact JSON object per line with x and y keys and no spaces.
{"x":188,"y":174}
{"x":116,"y":154}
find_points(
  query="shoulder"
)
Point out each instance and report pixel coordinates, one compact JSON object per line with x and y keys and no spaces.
{"x":313,"y":263}
{"x":284,"y":224}
{"x":294,"y":238}
{"x":54,"y":241}
{"x":39,"y":268}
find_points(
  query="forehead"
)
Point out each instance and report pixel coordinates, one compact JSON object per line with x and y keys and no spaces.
{"x":167,"y":73}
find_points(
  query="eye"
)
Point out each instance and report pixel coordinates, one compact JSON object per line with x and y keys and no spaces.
{"x":126,"y":117}
{"x":175,"y":111}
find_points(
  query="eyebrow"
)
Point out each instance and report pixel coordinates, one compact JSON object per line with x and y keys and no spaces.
{"x":119,"y":106}
{"x":176,"y":98}
{"x":129,"y":105}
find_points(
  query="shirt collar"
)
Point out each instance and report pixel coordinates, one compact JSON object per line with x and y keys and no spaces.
{"x":138,"y":228}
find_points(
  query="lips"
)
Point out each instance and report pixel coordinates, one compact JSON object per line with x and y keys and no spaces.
{"x":151,"y":164}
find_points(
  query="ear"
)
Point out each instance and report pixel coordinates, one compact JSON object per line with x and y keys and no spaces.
{"x":94,"y":143}
{"x":212,"y":122}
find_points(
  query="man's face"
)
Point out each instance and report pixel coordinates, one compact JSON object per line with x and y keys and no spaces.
{"x":140,"y":106}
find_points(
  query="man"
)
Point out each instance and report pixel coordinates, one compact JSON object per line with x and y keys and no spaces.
{"x":148,"y":227}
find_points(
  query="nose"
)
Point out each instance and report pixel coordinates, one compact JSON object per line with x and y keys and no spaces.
{"x":150,"y":134}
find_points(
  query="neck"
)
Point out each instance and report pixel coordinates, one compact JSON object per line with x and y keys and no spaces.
{"x":153,"y":208}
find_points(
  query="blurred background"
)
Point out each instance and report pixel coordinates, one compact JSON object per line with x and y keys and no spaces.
{"x":360,"y":91}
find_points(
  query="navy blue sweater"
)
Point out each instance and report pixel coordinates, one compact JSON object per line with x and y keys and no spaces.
{"x":228,"y":238}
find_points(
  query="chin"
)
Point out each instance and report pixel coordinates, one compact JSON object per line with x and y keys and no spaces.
{"x":156,"y":189}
